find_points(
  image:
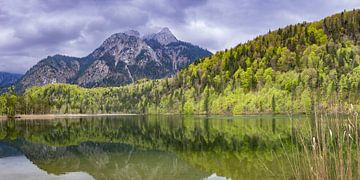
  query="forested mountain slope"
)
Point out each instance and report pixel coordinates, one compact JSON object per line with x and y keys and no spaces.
{"x":298,"y":68}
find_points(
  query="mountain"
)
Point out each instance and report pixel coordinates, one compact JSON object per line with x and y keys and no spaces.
{"x":6,"y":79}
{"x":164,"y":37}
{"x":296,"y":69}
{"x":121,"y":59}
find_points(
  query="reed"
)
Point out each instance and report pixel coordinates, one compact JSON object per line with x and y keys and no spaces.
{"x":329,"y":150}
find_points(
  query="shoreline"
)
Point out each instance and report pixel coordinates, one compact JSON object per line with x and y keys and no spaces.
{"x":58,"y":116}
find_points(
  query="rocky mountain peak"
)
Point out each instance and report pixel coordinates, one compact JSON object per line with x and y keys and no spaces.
{"x":118,"y":44}
{"x":166,"y":30}
{"x":120,"y":38}
{"x":132,"y":33}
{"x":121,"y":59}
{"x":164,"y":37}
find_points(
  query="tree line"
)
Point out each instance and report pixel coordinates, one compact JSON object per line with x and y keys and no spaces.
{"x":287,"y":70}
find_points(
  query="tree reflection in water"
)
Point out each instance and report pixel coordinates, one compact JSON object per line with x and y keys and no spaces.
{"x":150,"y":147}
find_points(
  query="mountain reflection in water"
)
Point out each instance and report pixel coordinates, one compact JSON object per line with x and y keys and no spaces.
{"x":145,"y":147}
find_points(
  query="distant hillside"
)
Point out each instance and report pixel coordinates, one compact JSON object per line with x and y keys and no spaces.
{"x":296,"y":69}
{"x":121,"y":59}
{"x":7,"y":79}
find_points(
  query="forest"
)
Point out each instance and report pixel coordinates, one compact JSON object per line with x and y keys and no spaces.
{"x":296,"y":69}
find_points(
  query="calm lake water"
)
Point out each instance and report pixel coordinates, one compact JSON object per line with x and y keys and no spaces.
{"x":148,"y":147}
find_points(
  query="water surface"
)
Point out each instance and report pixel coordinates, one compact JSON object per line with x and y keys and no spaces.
{"x":148,"y":147}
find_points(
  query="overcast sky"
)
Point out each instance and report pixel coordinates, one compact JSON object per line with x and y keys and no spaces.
{"x":30,"y":30}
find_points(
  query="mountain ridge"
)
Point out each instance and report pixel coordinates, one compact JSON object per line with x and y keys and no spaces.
{"x":7,"y":79}
{"x":121,"y":59}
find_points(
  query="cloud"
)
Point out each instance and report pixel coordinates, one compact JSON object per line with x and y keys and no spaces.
{"x":33,"y":30}
{"x":232,"y":22}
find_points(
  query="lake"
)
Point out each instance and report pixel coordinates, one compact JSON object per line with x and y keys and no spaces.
{"x":149,"y":147}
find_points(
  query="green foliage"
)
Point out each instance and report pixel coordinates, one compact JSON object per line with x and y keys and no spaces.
{"x":299,"y":64}
{"x":8,"y":103}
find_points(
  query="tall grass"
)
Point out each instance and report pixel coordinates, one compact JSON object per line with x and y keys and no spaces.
{"x":330,"y":150}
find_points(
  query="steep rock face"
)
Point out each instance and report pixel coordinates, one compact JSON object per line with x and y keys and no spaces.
{"x":177,"y":55}
{"x":96,"y":72}
{"x":121,"y":59}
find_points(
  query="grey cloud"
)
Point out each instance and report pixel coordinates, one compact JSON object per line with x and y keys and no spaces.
{"x":172,"y":11}
{"x":32,"y":30}
{"x":16,"y":63}
{"x":242,"y":20}
{"x":49,"y":35}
